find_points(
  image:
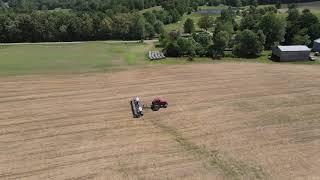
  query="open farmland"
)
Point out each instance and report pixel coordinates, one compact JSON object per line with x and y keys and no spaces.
{"x":224,"y":121}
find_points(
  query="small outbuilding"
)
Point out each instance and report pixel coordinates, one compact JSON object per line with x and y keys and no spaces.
{"x":316,"y":45}
{"x":291,"y":53}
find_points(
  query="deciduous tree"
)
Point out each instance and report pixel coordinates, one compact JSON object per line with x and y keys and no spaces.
{"x":206,"y":22}
{"x":274,"y":28}
{"x":220,"y":42}
{"x":189,"y":26}
{"x":247,"y":44}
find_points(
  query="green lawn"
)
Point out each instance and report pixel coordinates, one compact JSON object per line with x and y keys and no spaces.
{"x":156,"y":8}
{"x":179,"y":24}
{"x":313,"y":6}
{"x":195,"y":16}
{"x":86,"y":57}
{"x":213,"y":7}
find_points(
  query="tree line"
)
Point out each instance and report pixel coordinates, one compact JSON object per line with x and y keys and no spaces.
{"x":238,"y":3}
{"x":68,"y":26}
{"x":77,"y":20}
{"x":259,"y":29}
{"x":22,"y":21}
{"x":79,"y":5}
{"x":115,"y":6}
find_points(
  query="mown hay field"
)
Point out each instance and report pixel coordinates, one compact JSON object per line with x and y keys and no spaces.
{"x":224,"y":121}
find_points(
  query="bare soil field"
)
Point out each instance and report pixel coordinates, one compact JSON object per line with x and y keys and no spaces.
{"x":224,"y":121}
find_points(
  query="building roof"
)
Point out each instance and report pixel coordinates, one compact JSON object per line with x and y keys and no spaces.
{"x":294,"y":48}
{"x":317,"y":40}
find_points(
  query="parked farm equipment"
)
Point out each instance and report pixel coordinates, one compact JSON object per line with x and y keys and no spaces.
{"x":138,"y":107}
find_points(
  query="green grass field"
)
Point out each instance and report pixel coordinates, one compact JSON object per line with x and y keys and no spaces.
{"x":92,"y":57}
{"x":72,"y":58}
{"x":179,"y":24}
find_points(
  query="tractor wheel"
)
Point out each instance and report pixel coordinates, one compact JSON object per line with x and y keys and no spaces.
{"x":155,"y":107}
{"x":165,"y":105}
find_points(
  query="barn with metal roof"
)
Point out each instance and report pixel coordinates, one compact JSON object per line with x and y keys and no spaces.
{"x":291,"y":53}
{"x":316,"y":45}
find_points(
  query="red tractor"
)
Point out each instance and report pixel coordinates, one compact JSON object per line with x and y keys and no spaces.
{"x":158,"y":103}
{"x":138,"y":107}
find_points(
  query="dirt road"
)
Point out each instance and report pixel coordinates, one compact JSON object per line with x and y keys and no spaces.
{"x":224,"y":121}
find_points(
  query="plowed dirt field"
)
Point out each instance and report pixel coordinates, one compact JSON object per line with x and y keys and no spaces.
{"x":224,"y":121}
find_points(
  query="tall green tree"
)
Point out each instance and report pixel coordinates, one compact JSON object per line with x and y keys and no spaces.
{"x":262,"y":37}
{"x":189,"y":26}
{"x":150,"y":17}
{"x":203,"y":42}
{"x":274,"y":28}
{"x":121,"y":26}
{"x":105,"y":28}
{"x":314,"y":31}
{"x":149,"y":31}
{"x":293,"y":25}
{"x":86,"y":27}
{"x":220,"y":42}
{"x":307,"y":19}
{"x":139,"y":29}
{"x":174,"y":15}
{"x":25,"y":24}
{"x":158,"y":27}
{"x":204,"y":39}
{"x":206,"y":22}
{"x":247,"y":44}
{"x":172,"y":50}
{"x":301,"y":39}
{"x":187,"y":46}
{"x":226,"y":26}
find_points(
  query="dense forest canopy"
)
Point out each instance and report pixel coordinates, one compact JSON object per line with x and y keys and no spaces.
{"x":75,"y":20}
{"x":38,"y":20}
{"x":124,"y":5}
{"x":85,"y":5}
{"x":94,"y":5}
